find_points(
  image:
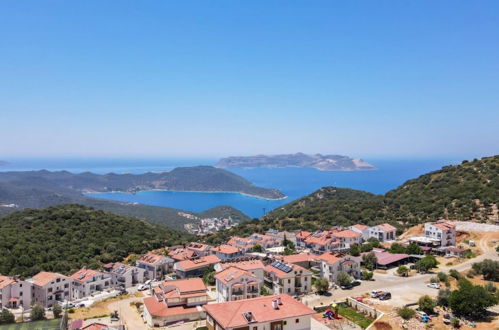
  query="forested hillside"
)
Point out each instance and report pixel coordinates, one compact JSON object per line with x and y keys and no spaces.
{"x":469,"y":191}
{"x":67,"y":237}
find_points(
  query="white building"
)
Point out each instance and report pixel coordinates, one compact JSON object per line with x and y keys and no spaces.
{"x":123,"y":275}
{"x":49,"y":288}
{"x":86,"y":282}
{"x":227,"y":252}
{"x":14,"y":293}
{"x":384,"y":232}
{"x":288,"y":278}
{"x":332,"y":265}
{"x":362,"y":229}
{"x":155,"y":265}
{"x":235,"y":284}
{"x":442,"y":231}
{"x":254,"y":266}
{"x":262,"y":313}
{"x":347,"y":238}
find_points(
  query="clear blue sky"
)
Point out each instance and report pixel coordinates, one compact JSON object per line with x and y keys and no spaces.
{"x":215,"y":78}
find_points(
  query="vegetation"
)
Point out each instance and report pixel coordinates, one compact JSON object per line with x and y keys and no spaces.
{"x":37,"y":313}
{"x":257,"y":248}
{"x":426,"y":304}
{"x":454,"y":273}
{"x":443,"y":297}
{"x":403,"y":271}
{"x":354,"y":316}
{"x":209,"y":275}
{"x":355,"y":250}
{"x":488,"y":268}
{"x":442,"y":277}
{"x":426,"y":263}
{"x":406,"y":313}
{"x":369,"y":260}
{"x":6,"y":316}
{"x":471,"y":301}
{"x":65,"y":238}
{"x":343,"y":279}
{"x":57,"y":310}
{"x":321,"y":285}
{"x":366,"y":276}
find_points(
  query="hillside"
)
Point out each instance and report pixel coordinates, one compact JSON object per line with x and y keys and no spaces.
{"x":67,"y":237}
{"x":469,"y":191}
{"x":224,"y":212}
{"x":317,"y":161}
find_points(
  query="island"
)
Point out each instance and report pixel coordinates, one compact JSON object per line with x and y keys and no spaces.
{"x":317,"y":161}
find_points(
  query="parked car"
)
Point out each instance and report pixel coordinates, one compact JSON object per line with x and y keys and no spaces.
{"x":359,"y":299}
{"x":347,"y":286}
{"x":434,"y":285}
{"x":385,"y":296}
{"x":375,"y":293}
{"x":142,"y":287}
{"x":356,"y":283}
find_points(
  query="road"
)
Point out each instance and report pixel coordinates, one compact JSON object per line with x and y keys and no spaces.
{"x":128,"y":314}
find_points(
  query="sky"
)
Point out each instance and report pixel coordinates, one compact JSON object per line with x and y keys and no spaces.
{"x":217,"y":78}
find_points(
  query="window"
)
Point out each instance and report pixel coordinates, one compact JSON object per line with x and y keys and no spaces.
{"x":50,"y":290}
{"x":289,"y":280}
{"x":255,"y":328}
{"x":297,"y":321}
{"x":58,"y":280}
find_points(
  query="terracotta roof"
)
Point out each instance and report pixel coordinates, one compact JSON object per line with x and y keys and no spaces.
{"x":226,"y":249}
{"x":323,"y":238}
{"x":246,"y":265}
{"x":5,"y":281}
{"x":96,"y":326}
{"x":347,"y":233}
{"x":199,"y":246}
{"x":386,"y":258}
{"x":84,"y":275}
{"x":442,"y":225}
{"x":231,"y":314}
{"x":329,"y":257}
{"x":151,"y":258}
{"x":281,"y":274}
{"x":159,"y":308}
{"x":300,"y":257}
{"x":386,"y":227}
{"x":186,"y":285}
{"x":228,"y":274}
{"x":43,"y":278}
{"x":182,"y":254}
{"x":197,"y":263}
{"x":302,"y":234}
{"x":360,"y":227}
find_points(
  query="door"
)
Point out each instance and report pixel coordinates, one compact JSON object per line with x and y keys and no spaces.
{"x":276,"y":325}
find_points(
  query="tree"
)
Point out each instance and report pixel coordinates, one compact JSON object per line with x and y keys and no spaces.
{"x":489,"y":286}
{"x":369,"y":260}
{"x":397,"y":248}
{"x":403,"y":271}
{"x":355,"y":250}
{"x":288,"y":251}
{"x":57,"y":310}
{"x":37,"y":313}
{"x":366,"y":247}
{"x":426,"y":263}
{"x":442,"y":277}
{"x":413,"y":248}
{"x":366,"y":276}
{"x":406,"y":313}
{"x":209,"y":275}
{"x":321,"y":284}
{"x":454,"y":273}
{"x":257,"y":248}
{"x":374,"y":242}
{"x":426,"y":304}
{"x":443,"y":297}
{"x":471,"y":301}
{"x":488,"y":268}
{"x":6,"y":317}
{"x":343,"y":279}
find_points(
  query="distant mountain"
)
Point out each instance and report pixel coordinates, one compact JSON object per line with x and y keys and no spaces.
{"x":317,"y":161}
{"x":67,"y":237}
{"x":469,"y":191}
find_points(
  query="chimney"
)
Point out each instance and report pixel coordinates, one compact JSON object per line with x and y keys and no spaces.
{"x":279,"y":301}
{"x":275,"y":304}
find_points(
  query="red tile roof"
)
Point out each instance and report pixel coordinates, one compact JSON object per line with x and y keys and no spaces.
{"x":96,"y":326}
{"x":199,"y":246}
{"x":386,"y":227}
{"x":43,"y":278}
{"x":329,"y":257}
{"x":187,"y":265}
{"x":151,"y":258}
{"x":246,"y":265}
{"x":182,"y":254}
{"x":84,"y":275}
{"x":231,"y":314}
{"x":281,"y":274}
{"x":159,"y":308}
{"x":360,"y":227}
{"x":300,"y":257}
{"x":347,"y":233}
{"x":5,"y":281}
{"x":228,"y":274}
{"x":442,"y":225}
{"x":226,"y":249}
{"x":302,"y":234}
{"x":386,"y":258}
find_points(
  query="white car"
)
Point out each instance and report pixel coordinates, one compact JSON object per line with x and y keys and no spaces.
{"x":434,"y":285}
{"x":143,"y":287}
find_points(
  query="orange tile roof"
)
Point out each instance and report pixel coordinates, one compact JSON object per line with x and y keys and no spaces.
{"x":246,"y":265}
{"x":187,"y":285}
{"x":151,"y":258}
{"x":43,"y":278}
{"x":84,"y":275}
{"x":322,"y":238}
{"x":96,"y":326}
{"x":347,"y":233}
{"x":5,"y":281}
{"x":187,"y":265}
{"x":442,"y":225}
{"x":226,"y":249}
{"x":281,"y":274}
{"x":329,"y":257}
{"x":232,"y":273}
{"x":300,"y":257}
{"x":386,"y":227}
{"x":159,"y":308}
{"x":199,"y":246}
{"x":230,"y":314}
{"x":303,"y":234}
{"x":360,"y":227}
{"x":182,"y":254}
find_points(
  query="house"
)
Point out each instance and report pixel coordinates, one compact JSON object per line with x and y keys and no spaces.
{"x":387,"y":260}
{"x":300,"y":238}
{"x":14,"y":293}
{"x":86,"y":282}
{"x":245,"y":244}
{"x":348,"y":238}
{"x":174,"y":301}
{"x":181,"y":254}
{"x":254,"y":266}
{"x":227,"y":252}
{"x":383,"y":232}
{"x":123,"y":275}
{"x":281,"y":235}
{"x":200,"y":249}
{"x":289,"y":279}
{"x":100,"y":326}
{"x":455,"y":252}
{"x":234,"y":283}
{"x":195,"y":267}
{"x":322,"y":241}
{"x":362,"y":229}
{"x":442,"y":231}
{"x":155,"y":265}
{"x":332,"y":264}
{"x":265,"y":241}
{"x":49,"y":288}
{"x":266,"y":312}
{"x":305,"y":260}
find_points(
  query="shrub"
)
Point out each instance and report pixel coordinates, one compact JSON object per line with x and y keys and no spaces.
{"x":355,"y":250}
{"x":321,"y":284}
{"x":37,"y":313}
{"x":7,"y":317}
{"x":71,"y":311}
{"x":443,"y":297}
{"x":488,"y":268}
{"x":57,"y":310}
{"x":369,"y":260}
{"x":455,"y":323}
{"x":442,"y":277}
{"x":403,"y":271}
{"x":343,"y":278}
{"x":454,"y":273}
{"x":490,"y":287}
{"x":434,"y":279}
{"x":426,"y":304}
{"x":366,"y":276}
{"x":406,"y":313}
{"x":471,"y":273}
{"x":471,"y":301}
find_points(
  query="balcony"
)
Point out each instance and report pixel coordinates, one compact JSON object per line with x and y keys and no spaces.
{"x":237,"y":293}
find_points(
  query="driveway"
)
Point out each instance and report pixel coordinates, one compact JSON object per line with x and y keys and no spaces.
{"x":129,"y":315}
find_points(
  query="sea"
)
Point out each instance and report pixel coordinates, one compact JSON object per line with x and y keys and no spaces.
{"x":293,"y":182}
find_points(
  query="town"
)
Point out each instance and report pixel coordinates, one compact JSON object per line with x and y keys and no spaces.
{"x":342,"y":278}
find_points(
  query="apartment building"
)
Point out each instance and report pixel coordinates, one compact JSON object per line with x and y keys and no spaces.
{"x":332,"y":264}
{"x":227,"y":252}
{"x":288,"y":278}
{"x":245,"y":244}
{"x":254,"y":266}
{"x":234,"y":283}
{"x":441,"y":231}
{"x":155,"y":265}
{"x":384,"y":232}
{"x":86,"y":282}
{"x":300,"y":238}
{"x":14,"y":293}
{"x":194,"y":267}
{"x":49,"y":288}
{"x":362,"y":229}
{"x":200,"y":249}
{"x":347,"y":238}
{"x":174,"y":301}
{"x":123,"y":275}
{"x":181,"y":254}
{"x":262,"y":313}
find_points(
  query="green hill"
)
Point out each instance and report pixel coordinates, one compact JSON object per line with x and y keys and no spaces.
{"x":469,"y":191}
{"x":67,"y":237}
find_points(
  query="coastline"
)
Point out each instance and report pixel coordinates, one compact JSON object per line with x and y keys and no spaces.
{"x":188,"y":191}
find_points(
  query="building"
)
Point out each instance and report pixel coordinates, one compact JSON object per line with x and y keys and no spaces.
{"x":384,"y":232}
{"x":289,"y":279}
{"x":300,"y":238}
{"x":14,"y":293}
{"x":362,"y":229}
{"x":347,"y":238}
{"x":305,"y":260}
{"x":322,"y":241}
{"x":195,"y":267}
{"x":281,"y":235}
{"x":262,"y":313}
{"x":123,"y":275}
{"x":49,"y":288}
{"x":234,"y":283}
{"x":454,"y":252}
{"x":174,"y":301}
{"x":181,"y":254}
{"x":101,"y":326}
{"x":245,"y":244}
{"x":86,"y":282}
{"x":199,"y":249}
{"x":155,"y":265}
{"x":265,"y":241}
{"x":332,"y":264}
{"x":387,"y":260}
{"x":254,"y":266}
{"x":227,"y":252}
{"x":442,"y":231}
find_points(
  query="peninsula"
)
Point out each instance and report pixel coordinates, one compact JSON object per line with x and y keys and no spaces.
{"x":317,"y":161}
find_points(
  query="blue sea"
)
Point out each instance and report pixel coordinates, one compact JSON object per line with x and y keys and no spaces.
{"x":293,"y":182}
